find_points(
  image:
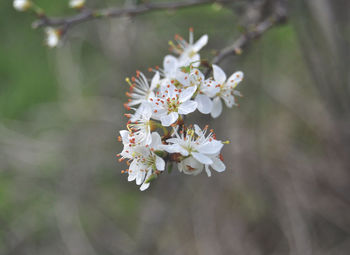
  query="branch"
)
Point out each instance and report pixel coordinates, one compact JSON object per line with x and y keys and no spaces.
{"x":88,"y":15}
{"x":244,"y":40}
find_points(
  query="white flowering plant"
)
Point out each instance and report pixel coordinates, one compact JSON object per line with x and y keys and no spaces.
{"x":156,"y":134}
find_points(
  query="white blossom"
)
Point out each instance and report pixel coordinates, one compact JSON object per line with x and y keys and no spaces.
{"x":188,"y":51}
{"x":140,"y":124}
{"x":171,"y":67}
{"x":170,"y":101}
{"x":52,"y":37}
{"x":140,"y":90}
{"x":227,"y":91}
{"x":76,"y":4}
{"x":145,"y":162}
{"x":22,"y":5}
{"x":196,"y":147}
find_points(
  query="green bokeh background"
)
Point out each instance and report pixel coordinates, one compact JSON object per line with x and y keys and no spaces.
{"x":61,"y":191}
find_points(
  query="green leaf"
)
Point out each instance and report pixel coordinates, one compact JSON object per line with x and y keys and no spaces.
{"x":170,"y":167}
{"x":151,"y":178}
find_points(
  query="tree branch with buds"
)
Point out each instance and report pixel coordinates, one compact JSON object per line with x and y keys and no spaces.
{"x":244,"y":39}
{"x":87,"y":15}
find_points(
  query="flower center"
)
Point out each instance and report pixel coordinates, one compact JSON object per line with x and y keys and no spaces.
{"x":173,"y":104}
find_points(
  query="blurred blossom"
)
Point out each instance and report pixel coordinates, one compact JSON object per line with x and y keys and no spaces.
{"x":76,"y":4}
{"x":22,"y":5}
{"x":53,"y":37}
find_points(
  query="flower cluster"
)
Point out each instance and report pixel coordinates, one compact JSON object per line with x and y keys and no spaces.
{"x":161,"y":103}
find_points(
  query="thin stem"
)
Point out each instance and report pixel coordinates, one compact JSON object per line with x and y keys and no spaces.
{"x":88,"y":15}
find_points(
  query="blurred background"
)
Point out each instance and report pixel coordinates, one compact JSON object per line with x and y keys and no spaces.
{"x":287,"y":183}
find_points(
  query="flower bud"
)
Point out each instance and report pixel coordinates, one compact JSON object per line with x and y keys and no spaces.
{"x":22,"y":5}
{"x":53,"y":37}
{"x":76,"y":4}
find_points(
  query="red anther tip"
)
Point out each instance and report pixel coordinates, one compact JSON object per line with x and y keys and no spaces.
{"x":127,"y":106}
{"x":157,"y":67}
{"x":191,"y":29}
{"x":149,"y":69}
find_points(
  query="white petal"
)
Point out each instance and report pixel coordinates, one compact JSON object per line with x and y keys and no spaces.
{"x":156,"y":139}
{"x":188,"y":107}
{"x":173,"y":140}
{"x":204,"y":103}
{"x":139,"y":177}
{"x":207,"y":170}
{"x":160,"y":164}
{"x":176,"y":148}
{"x":148,"y":139}
{"x":183,"y":78}
{"x":202,"y":158}
{"x":235,"y":79}
{"x":195,"y":60}
{"x":170,"y":65}
{"x":125,"y":136}
{"x":169,"y":119}
{"x":212,"y":89}
{"x":144,"y":186}
{"x":212,"y":147}
{"x":155,"y":81}
{"x":219,"y":74}
{"x":217,"y":107}
{"x":131,"y":177}
{"x":190,"y":166}
{"x":186,"y":94}
{"x":171,"y":91}
{"x":218,"y":165}
{"x":200,"y":43}
{"x":229,"y":101}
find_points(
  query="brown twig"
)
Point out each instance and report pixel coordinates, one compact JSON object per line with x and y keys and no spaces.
{"x":244,"y":39}
{"x":235,"y":49}
{"x":88,"y":15}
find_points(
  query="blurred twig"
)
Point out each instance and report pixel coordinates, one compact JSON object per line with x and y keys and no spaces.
{"x":244,"y":39}
{"x":88,"y":15}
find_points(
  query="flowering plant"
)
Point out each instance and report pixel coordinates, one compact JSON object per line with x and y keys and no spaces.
{"x":161,"y":103}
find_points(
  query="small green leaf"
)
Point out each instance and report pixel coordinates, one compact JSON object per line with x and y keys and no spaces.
{"x":161,"y":154}
{"x":170,"y":167}
{"x":151,"y":178}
